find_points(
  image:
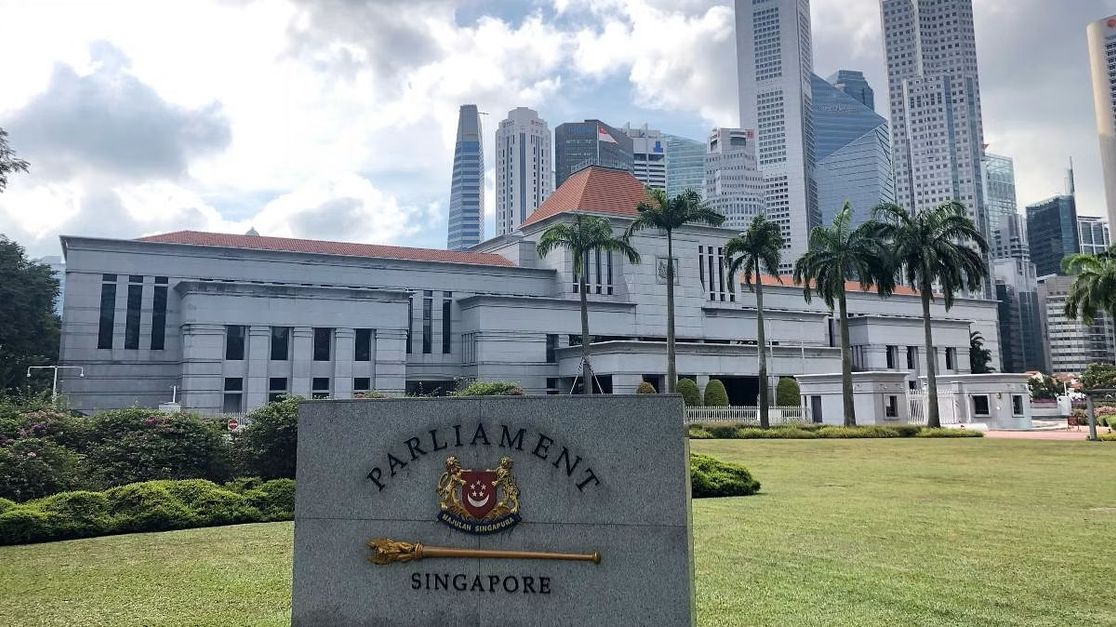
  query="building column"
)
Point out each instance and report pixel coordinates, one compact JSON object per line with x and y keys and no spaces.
{"x":389,"y":368}
{"x":203,"y":348}
{"x":255,"y":387}
{"x":702,"y":381}
{"x":302,"y":355}
{"x":343,"y":346}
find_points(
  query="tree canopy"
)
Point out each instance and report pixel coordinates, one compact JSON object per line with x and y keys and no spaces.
{"x":9,"y":163}
{"x":28,"y":324}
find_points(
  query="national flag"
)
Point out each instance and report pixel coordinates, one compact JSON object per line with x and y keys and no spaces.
{"x":603,"y":136}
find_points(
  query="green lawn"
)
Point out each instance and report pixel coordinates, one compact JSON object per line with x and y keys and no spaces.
{"x":856,"y":532}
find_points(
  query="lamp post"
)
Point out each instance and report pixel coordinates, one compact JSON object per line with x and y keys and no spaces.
{"x":54,"y":387}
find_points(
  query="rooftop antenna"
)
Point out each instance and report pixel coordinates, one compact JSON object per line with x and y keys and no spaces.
{"x":1070,"y":188}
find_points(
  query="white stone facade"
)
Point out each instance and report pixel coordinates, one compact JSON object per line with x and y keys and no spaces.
{"x":734,"y":186}
{"x":1102,"y":59}
{"x":524,"y":172}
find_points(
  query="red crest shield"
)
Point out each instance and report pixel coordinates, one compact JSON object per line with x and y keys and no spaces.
{"x":478,"y":495}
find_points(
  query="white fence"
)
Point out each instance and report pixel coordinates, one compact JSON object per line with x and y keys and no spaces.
{"x":920,"y":408}
{"x":743,"y":414}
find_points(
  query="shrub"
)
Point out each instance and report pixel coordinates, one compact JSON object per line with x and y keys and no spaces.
{"x":490,"y":388}
{"x":35,"y":467}
{"x":689,"y":391}
{"x":273,"y":499}
{"x":5,"y":505}
{"x":43,"y":422}
{"x":787,"y":393}
{"x":266,"y":447}
{"x":715,"y":394}
{"x":23,"y":523}
{"x":724,"y":432}
{"x":208,"y":503}
{"x":369,"y":394}
{"x":132,"y":445}
{"x":75,"y":514}
{"x":646,"y":388}
{"x":147,"y":507}
{"x":927,"y":432}
{"x":1107,"y":437}
{"x":906,"y":431}
{"x":711,"y":477}
{"x":778,"y":433}
{"x":696,"y":432}
{"x":857,"y":432}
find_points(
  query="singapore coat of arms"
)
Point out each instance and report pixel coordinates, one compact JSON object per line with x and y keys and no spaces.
{"x":478,"y":501}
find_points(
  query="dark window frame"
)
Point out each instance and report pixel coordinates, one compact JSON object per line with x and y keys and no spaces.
{"x":107,"y":319}
{"x":159,"y":314}
{"x":323,"y":344}
{"x":235,"y":342}
{"x":133,"y":312}
{"x":280,"y":336}
{"x":362,"y":345}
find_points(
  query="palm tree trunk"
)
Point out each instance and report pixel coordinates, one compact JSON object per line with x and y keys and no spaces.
{"x":587,"y":370}
{"x":762,"y":337}
{"x":846,"y":365}
{"x":933,"y":418}
{"x":672,"y":373}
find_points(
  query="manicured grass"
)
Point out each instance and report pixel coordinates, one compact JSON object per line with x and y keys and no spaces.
{"x":854,"y":532}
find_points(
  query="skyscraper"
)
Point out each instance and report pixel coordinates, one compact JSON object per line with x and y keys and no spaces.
{"x":999,"y":196}
{"x":592,"y":142}
{"x":523,"y":171}
{"x":1052,"y":233}
{"x":1092,"y":235}
{"x":1070,"y":344}
{"x":1102,"y":59}
{"x":775,"y":62}
{"x":685,"y":164}
{"x":853,"y":150}
{"x":855,"y":86}
{"x":937,"y":136}
{"x":648,"y":156}
{"x":1021,"y":345}
{"x":466,"y":208}
{"x":734,"y":186}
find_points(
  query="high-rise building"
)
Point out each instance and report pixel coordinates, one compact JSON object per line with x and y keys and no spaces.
{"x":649,"y":155}
{"x":937,"y":136}
{"x":466,"y":208}
{"x":1021,"y":345}
{"x":523,"y":171}
{"x":1052,"y":233}
{"x":734,"y":186}
{"x":853,"y":152}
{"x":999,"y":198}
{"x":775,"y":62}
{"x":854,"y":85}
{"x":1102,"y":59}
{"x":1070,"y":344}
{"x":685,"y":164}
{"x":578,"y":145}
{"x":1092,"y":235}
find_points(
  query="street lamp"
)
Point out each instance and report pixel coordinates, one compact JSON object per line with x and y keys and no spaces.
{"x":54,"y":388}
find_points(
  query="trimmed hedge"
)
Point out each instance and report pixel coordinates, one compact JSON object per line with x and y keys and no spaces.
{"x":689,"y":391}
{"x":715,"y":394}
{"x":646,"y":388}
{"x":267,"y":446}
{"x":787,"y":392}
{"x":807,"y":432}
{"x":491,"y":388}
{"x":35,"y":467}
{"x":148,"y":506}
{"x":711,"y":477}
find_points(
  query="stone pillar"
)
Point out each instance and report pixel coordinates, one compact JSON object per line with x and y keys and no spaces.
{"x":389,"y":370}
{"x":343,"y":346}
{"x":702,"y":381}
{"x":203,"y":348}
{"x":258,"y":354}
{"x":302,"y":355}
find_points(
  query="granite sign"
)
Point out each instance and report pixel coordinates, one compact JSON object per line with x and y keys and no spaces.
{"x":493,"y":510}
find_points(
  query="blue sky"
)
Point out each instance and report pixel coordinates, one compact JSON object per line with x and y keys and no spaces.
{"x":335,"y":119}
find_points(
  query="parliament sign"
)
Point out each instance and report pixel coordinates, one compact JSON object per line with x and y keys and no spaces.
{"x":493,"y":510}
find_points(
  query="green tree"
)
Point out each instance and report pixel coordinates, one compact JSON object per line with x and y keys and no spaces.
{"x":689,"y":391}
{"x":645,"y":388}
{"x":1094,"y":285}
{"x":668,"y":214}
{"x":586,"y":234}
{"x":1098,"y":376}
{"x":980,"y":358}
{"x":715,"y":394}
{"x":28,"y":324}
{"x":933,"y":247}
{"x":836,"y":254}
{"x":757,"y":251}
{"x":9,"y":163}
{"x":1043,"y":387}
{"x":787,"y":393}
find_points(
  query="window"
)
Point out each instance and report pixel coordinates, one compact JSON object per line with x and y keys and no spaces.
{"x":410,"y":321}
{"x":322,"y":340}
{"x":552,"y":386}
{"x":362,"y":384}
{"x":950,"y":354}
{"x":892,"y":356}
{"x":234,"y":393}
{"x":427,"y":321}
{"x":108,"y":311}
{"x":276,"y":387}
{"x":234,"y":342}
{"x":912,"y":358}
{"x":320,"y":387}
{"x":1016,"y":405}
{"x":159,"y":314}
{"x":447,"y":322}
{"x":362,"y":349}
{"x":280,"y":343}
{"x":892,"y":408}
{"x":980,"y":405}
{"x":552,"y":348}
{"x":132,"y":318}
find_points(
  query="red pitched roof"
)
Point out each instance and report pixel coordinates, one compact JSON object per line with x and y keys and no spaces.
{"x":593,"y":190}
{"x":345,"y":249}
{"x":850,"y":286}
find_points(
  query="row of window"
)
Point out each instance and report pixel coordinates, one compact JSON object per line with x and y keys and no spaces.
{"x":236,"y":336}
{"x":107,"y":321}
{"x":320,"y":387}
{"x":428,"y":322}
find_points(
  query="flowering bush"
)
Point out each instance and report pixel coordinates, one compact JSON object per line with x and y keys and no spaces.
{"x":34,"y":467}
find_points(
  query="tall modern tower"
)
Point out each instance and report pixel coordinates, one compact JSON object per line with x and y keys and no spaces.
{"x":775,"y":63}
{"x":998,"y":178}
{"x":855,"y":86}
{"x":466,"y":209}
{"x":578,"y":145}
{"x":685,"y":164}
{"x":853,"y":150}
{"x":1092,"y":235}
{"x":648,"y":156}
{"x":734,"y":186}
{"x":1052,"y":232}
{"x":523,"y":170}
{"x":1102,"y":58}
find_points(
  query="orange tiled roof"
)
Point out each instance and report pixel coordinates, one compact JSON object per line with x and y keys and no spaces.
{"x":345,"y":249}
{"x":593,"y":190}
{"x":850,"y":286}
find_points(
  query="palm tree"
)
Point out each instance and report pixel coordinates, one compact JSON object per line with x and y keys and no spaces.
{"x":1094,"y":286}
{"x":659,"y":212}
{"x":838,"y":253}
{"x":933,"y":247}
{"x":757,"y":250}
{"x":585,"y":235}
{"x":979,"y":356}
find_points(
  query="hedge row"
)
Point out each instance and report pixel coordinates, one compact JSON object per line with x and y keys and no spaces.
{"x":808,"y":432}
{"x":711,"y":477}
{"x":148,"y":506}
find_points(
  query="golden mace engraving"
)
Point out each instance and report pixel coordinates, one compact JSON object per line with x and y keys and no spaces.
{"x":386,"y":551}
